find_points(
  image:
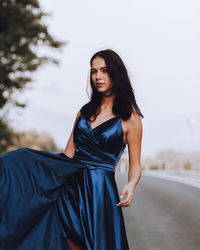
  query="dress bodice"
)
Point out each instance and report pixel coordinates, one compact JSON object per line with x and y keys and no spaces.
{"x":100,"y":147}
{"x":47,"y":197}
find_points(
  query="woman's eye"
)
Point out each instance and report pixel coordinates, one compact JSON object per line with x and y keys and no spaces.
{"x":92,"y":72}
{"x":104,"y":70}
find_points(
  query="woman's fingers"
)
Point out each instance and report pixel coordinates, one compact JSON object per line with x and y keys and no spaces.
{"x":129,"y":197}
{"x":123,"y":192}
{"x":127,"y":201}
{"x":127,"y":193}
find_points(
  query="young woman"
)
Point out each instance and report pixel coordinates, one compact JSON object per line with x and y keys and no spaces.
{"x":70,"y":200}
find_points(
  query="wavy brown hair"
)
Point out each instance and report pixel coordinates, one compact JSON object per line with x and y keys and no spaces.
{"x":125,"y":102}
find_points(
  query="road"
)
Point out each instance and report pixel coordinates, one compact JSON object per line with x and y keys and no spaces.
{"x":164,"y":215}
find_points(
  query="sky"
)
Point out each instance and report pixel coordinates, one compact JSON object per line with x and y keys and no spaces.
{"x":159,"y":44}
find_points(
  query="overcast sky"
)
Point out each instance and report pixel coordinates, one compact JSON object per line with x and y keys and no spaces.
{"x":159,"y":43}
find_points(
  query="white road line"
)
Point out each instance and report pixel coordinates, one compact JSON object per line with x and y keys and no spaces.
{"x":195,"y":182}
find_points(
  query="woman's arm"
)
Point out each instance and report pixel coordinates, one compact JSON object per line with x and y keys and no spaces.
{"x":70,"y":147}
{"x":134,"y":140}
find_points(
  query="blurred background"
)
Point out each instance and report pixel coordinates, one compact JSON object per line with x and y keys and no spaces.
{"x":158,"y":41}
{"x":45,"y":49}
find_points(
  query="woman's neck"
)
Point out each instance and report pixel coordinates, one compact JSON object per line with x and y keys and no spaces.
{"x":107,"y":102}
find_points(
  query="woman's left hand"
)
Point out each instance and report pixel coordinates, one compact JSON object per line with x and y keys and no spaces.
{"x":129,"y":191}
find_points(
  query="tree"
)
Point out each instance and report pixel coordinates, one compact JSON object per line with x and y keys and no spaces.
{"x":21,"y":33}
{"x":6,"y":134}
{"x":12,"y":140}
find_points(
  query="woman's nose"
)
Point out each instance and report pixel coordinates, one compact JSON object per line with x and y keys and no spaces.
{"x":99,"y":75}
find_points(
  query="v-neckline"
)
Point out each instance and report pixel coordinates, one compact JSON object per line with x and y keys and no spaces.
{"x":102,"y":123}
{"x":105,"y":122}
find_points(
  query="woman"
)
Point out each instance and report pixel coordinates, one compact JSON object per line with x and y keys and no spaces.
{"x":70,"y":200}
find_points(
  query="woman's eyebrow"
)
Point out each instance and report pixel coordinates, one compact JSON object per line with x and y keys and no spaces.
{"x":100,"y":68}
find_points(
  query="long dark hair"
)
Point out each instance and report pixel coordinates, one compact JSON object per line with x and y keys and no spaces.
{"x":124,"y":103}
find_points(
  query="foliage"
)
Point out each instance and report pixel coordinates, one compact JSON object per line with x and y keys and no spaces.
{"x":32,"y":139}
{"x":14,"y":139}
{"x":5,"y":136}
{"x":22,"y":31}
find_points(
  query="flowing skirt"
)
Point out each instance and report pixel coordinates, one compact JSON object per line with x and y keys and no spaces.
{"x":46,"y":197}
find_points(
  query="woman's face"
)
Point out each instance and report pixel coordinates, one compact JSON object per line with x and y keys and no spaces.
{"x":100,"y":76}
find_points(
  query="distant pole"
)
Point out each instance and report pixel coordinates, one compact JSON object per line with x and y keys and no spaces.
{"x":191,"y":122}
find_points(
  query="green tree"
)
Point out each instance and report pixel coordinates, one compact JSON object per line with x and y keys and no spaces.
{"x":22,"y":31}
{"x":12,"y":140}
{"x":6,"y":134}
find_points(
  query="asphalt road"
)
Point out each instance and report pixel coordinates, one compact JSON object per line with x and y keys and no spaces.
{"x":164,"y":215}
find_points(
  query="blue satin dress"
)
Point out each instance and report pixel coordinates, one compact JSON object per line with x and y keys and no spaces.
{"x":46,"y":197}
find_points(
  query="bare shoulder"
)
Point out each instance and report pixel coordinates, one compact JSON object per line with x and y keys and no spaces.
{"x":134,"y":130}
{"x":132,"y":127}
{"x":79,"y":113}
{"x":77,"y":116}
{"x":134,"y":122}
{"x":70,"y":147}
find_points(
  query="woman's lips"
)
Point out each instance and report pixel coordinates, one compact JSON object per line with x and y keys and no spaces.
{"x":99,"y":84}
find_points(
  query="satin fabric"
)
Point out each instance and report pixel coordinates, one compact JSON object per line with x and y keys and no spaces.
{"x":46,"y":197}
